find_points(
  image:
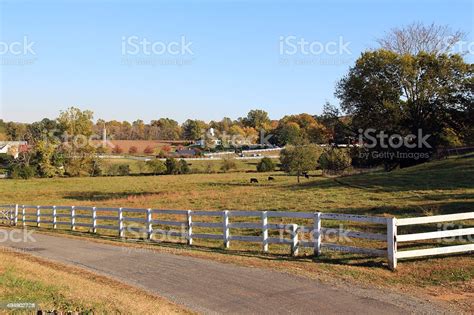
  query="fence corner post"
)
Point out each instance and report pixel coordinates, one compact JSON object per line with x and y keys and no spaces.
{"x":55,"y":220}
{"x":16,"y":215}
{"x":294,"y":240}
{"x":265,"y":231}
{"x":149,"y":224}
{"x":120,"y":222}
{"x":226,"y":229}
{"x":392,"y":243}
{"x":317,"y":235}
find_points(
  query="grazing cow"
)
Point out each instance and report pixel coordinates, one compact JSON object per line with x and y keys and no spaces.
{"x":253,"y":180}
{"x":305,"y":174}
{"x":271,"y":178}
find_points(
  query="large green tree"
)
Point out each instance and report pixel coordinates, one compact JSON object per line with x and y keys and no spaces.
{"x":406,"y":93}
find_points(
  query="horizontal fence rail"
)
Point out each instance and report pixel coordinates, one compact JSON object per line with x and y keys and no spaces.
{"x":440,"y":234}
{"x":154,"y":224}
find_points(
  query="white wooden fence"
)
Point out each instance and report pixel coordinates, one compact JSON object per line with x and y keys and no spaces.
{"x":124,"y":220}
{"x":393,"y":254}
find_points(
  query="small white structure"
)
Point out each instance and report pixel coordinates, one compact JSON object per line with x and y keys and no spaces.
{"x":11,"y":147}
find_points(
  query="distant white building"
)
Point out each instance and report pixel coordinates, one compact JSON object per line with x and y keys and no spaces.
{"x":12,"y":147}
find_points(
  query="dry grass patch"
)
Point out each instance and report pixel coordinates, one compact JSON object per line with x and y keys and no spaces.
{"x":54,"y":286}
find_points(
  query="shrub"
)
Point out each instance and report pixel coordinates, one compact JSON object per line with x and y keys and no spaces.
{"x":335,"y":160}
{"x":156,"y":166}
{"x":265,"y":165}
{"x":171,"y":166}
{"x":22,"y":171}
{"x":5,"y":159}
{"x":228,"y":163}
{"x":124,"y":170}
{"x":112,"y":169}
{"x":183,"y":167}
{"x":148,"y":150}
{"x":133,"y":150}
{"x":117,"y":150}
{"x":97,"y":167}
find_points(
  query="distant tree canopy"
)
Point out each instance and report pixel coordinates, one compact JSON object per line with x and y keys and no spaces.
{"x":293,"y":128}
{"x":300,"y":158}
{"x":257,"y":119}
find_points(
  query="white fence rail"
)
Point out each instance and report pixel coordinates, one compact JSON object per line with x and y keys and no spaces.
{"x":394,"y":254}
{"x":154,"y":222}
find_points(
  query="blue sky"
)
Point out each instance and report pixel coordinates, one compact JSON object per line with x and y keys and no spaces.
{"x":235,"y":65}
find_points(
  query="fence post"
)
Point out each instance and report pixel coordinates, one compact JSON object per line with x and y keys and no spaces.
{"x":392,"y":243}
{"x":23,"y":215}
{"x":190,"y":227}
{"x":73,"y":218}
{"x":317,"y":233}
{"x":16,"y":215}
{"x":38,"y":216}
{"x":149,"y":226}
{"x":265,"y":231}
{"x":55,"y":225}
{"x":94,"y":220}
{"x":120,"y":222}
{"x":226,"y":229}
{"x":294,"y":240}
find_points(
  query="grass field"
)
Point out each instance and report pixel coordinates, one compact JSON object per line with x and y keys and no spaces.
{"x":438,"y":187}
{"x":434,"y":188}
{"x":56,"y":287}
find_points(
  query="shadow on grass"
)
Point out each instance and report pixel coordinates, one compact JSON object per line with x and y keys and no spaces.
{"x":439,"y":175}
{"x":101,"y":196}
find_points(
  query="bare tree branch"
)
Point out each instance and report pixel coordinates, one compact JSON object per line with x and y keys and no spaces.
{"x":417,"y":37}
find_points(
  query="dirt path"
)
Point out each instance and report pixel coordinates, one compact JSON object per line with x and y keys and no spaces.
{"x":210,"y":287}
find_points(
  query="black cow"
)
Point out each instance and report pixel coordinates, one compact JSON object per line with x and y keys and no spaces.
{"x":271,"y":178}
{"x":253,"y":180}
